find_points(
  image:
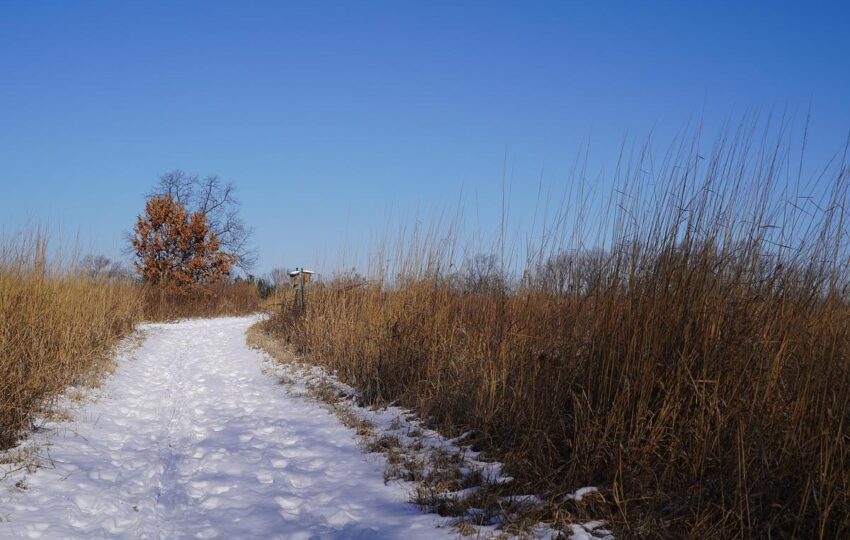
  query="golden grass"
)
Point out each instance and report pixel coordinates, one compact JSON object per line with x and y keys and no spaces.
{"x":58,"y":326}
{"x":55,"y":327}
{"x":213,"y":301}
{"x":696,"y":369}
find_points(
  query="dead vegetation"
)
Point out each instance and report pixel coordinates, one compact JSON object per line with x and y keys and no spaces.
{"x":59,"y":325}
{"x":57,"y":328}
{"x":694,"y":365}
{"x":221,"y":299}
{"x":448,"y":478}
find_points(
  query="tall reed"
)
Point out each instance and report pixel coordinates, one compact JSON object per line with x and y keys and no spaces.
{"x":56,"y":325}
{"x":687,"y":351}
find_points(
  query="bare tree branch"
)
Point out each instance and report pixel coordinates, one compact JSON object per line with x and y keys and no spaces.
{"x":214,"y":198}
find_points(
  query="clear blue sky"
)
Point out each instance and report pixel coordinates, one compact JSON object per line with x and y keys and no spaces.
{"x":338,"y":116}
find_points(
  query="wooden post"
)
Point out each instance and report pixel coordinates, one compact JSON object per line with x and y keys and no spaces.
{"x":303,"y":307}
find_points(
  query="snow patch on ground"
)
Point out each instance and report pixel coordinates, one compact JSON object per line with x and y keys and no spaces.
{"x":417,"y":452}
{"x":189,"y":439}
{"x":580,"y":493}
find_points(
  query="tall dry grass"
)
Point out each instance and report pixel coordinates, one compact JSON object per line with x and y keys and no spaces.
{"x":688,"y":352}
{"x":56,"y":326}
{"x":217,"y":300}
{"x":59,"y":323}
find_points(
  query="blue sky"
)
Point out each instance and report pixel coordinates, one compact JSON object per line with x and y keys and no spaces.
{"x":336,"y":118}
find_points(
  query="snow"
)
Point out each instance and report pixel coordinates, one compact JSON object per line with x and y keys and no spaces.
{"x":428,"y":448}
{"x":581,"y":493}
{"x":592,"y":530}
{"x":422,"y":444}
{"x":190,"y":439}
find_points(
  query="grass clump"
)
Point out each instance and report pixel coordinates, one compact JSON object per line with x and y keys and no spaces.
{"x":56,"y":326}
{"x":218,"y":300}
{"x":693,"y":363}
{"x":59,"y":325}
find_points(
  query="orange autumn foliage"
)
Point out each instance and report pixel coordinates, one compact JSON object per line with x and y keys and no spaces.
{"x":177,"y":250}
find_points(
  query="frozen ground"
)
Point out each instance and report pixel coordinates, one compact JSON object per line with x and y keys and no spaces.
{"x":189,"y":439}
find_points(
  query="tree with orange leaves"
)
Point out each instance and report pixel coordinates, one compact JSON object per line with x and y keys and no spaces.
{"x":176,"y":249}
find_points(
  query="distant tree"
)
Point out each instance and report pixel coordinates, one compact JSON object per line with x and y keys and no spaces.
{"x":557,"y":274}
{"x":279,"y":277}
{"x":570,"y":272}
{"x":481,"y":273}
{"x":95,"y":265}
{"x":265,"y":287}
{"x":215,"y":199}
{"x":102,"y":267}
{"x":176,"y":249}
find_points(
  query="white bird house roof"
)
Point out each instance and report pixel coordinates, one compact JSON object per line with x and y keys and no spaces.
{"x":298,"y":272}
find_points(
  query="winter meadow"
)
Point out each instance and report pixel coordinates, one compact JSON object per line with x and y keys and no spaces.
{"x":279,"y":271}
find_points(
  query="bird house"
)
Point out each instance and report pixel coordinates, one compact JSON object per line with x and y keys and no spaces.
{"x":300,"y":276}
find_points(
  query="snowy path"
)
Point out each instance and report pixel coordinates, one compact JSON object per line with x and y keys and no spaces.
{"x":191,"y":440}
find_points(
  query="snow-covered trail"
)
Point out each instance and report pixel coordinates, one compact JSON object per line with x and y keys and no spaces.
{"x":190,"y":439}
